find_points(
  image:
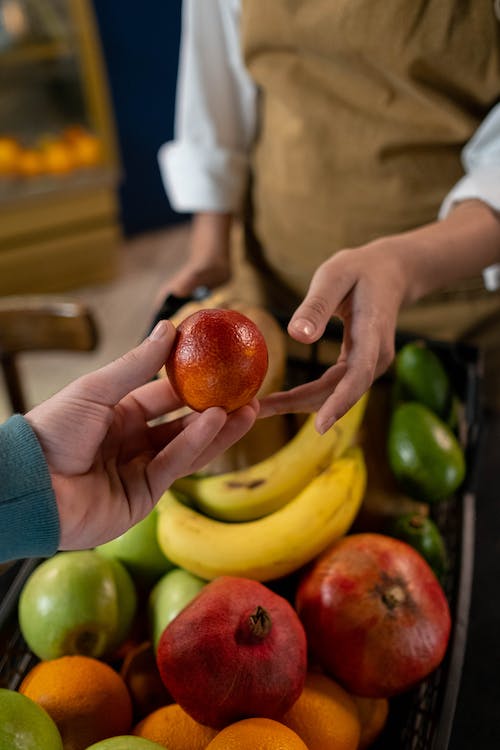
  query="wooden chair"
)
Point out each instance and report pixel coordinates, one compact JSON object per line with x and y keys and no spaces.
{"x":37,"y":323}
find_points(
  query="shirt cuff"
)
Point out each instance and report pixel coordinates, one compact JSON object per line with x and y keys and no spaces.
{"x":482,"y":184}
{"x":28,"y":511}
{"x":200,"y":179}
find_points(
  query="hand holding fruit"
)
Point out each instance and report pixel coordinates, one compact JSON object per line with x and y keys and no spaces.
{"x":108,"y":466}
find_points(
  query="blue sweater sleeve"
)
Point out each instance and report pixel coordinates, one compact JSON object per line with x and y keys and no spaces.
{"x":29,"y":521}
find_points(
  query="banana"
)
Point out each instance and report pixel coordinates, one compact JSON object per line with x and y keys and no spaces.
{"x":262,"y":488}
{"x":269,"y":547}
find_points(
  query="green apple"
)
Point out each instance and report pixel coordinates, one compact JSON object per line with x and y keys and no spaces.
{"x":24,"y":725}
{"x":169,"y":596}
{"x":76,"y":603}
{"x":139,"y":551}
{"x":126,"y":742}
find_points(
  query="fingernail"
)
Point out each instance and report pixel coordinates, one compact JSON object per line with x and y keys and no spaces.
{"x":159,"y":331}
{"x":304,"y":326}
{"x":325,"y":426}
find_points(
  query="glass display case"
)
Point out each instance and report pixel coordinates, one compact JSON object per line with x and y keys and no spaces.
{"x":59,"y":167}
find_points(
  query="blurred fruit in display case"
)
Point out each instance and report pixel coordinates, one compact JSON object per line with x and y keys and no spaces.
{"x":29,"y":163}
{"x":56,"y":156}
{"x":9,"y":155}
{"x":86,"y":147}
{"x":60,"y":153}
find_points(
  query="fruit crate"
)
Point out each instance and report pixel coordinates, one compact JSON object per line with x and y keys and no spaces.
{"x":421,"y":719}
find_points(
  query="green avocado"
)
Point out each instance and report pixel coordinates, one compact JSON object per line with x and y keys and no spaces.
{"x":424,"y":454}
{"x":422,"y":377}
{"x":422,"y":534}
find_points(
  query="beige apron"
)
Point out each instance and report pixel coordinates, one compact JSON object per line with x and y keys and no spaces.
{"x":364,"y":110}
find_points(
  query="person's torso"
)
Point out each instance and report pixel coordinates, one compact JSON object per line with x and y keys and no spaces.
{"x":365,"y":108}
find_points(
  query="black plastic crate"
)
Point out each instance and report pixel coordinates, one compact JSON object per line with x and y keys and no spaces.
{"x":421,"y":719}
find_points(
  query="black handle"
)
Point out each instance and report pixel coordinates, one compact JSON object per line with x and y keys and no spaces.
{"x":172,"y":303}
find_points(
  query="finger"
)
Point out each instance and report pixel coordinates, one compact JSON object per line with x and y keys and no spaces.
{"x":111,"y":383}
{"x":154,"y":399}
{"x":205,"y":436}
{"x":359,"y":376}
{"x":305,"y":398}
{"x":237,"y":425}
{"x":348,"y":392}
{"x":325,"y":294}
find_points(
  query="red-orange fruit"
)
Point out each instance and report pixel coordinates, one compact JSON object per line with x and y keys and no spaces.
{"x":219,"y":358}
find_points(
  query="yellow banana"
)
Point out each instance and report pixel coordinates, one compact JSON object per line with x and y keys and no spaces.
{"x":268,"y":547}
{"x":253,"y":492}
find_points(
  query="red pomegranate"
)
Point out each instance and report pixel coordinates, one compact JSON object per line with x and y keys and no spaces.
{"x":237,"y":650}
{"x":375,"y":615}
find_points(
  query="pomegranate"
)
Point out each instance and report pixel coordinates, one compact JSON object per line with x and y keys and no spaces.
{"x":237,"y":650}
{"x":219,"y":358}
{"x":375,"y":615}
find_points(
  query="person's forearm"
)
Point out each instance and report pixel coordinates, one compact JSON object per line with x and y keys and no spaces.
{"x":447,"y":251}
{"x":210,"y":231}
{"x":208,"y":262}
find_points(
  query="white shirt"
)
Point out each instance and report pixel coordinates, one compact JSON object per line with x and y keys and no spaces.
{"x":205,"y":167}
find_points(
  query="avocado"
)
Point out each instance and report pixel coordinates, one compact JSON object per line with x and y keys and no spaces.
{"x":422,"y":533}
{"x":424,"y":454}
{"x":421,"y":376}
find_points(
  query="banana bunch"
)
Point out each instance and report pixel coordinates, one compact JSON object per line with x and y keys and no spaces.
{"x":276,"y":544}
{"x":264,"y":487}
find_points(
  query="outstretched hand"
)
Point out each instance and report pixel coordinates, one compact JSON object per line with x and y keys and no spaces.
{"x":108,"y":464}
{"x":365,"y":288}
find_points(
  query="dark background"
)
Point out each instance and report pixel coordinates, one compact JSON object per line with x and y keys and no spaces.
{"x":140,"y":43}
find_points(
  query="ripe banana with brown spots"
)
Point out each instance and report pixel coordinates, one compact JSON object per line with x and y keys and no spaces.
{"x":272,"y":546}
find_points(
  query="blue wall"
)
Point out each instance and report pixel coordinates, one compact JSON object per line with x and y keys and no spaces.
{"x":141,"y":44}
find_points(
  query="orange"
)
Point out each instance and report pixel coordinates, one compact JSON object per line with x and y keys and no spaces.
{"x":257,"y":734}
{"x":29,"y":162}
{"x":85,"y":697}
{"x":324,"y":715}
{"x":373,"y":713}
{"x":86,"y":150}
{"x":56,"y":156}
{"x":9,"y":154}
{"x":219,"y":358}
{"x":171,"y":727}
{"x":141,"y":676}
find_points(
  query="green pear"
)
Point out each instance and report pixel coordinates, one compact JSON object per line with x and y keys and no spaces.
{"x":24,"y":725}
{"x":76,"y":603}
{"x":139,"y":551}
{"x":169,"y":596}
{"x":126,"y":742}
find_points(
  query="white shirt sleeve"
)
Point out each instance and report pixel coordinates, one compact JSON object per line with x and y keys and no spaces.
{"x":481,"y":160}
{"x":205,"y":167}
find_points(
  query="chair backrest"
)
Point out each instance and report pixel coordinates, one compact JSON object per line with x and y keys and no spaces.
{"x":37,"y":323}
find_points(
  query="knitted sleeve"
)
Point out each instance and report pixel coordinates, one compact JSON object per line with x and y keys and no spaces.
{"x":29,"y":521}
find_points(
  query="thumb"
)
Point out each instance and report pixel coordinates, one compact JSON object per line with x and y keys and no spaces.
{"x":323,"y":297}
{"x":309,"y":320}
{"x":112,"y":382}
